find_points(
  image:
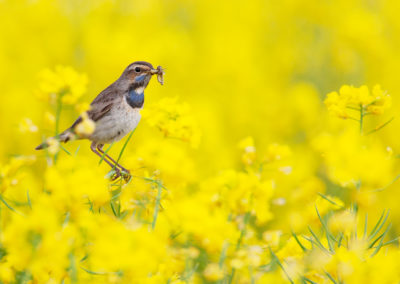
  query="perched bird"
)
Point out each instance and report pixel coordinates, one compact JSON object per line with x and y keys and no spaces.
{"x":115,"y":111}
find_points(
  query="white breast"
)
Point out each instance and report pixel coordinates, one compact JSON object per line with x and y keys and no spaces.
{"x":121,"y":120}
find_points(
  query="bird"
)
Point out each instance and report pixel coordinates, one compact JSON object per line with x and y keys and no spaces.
{"x":115,"y":112}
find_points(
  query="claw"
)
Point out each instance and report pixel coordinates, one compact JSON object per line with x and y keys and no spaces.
{"x":126,"y":176}
{"x":114,"y":174}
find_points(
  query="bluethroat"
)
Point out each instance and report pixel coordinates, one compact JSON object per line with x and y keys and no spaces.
{"x":115,"y":111}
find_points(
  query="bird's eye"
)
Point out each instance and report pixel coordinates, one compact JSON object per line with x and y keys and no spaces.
{"x":137,"y":69}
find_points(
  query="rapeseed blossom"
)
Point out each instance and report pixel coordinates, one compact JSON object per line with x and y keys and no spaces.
{"x":352,"y":98}
{"x":53,"y":145}
{"x":174,"y":120}
{"x":86,"y":126}
{"x":26,"y":125}
{"x":64,"y":81}
{"x":249,"y":150}
{"x":240,"y":170}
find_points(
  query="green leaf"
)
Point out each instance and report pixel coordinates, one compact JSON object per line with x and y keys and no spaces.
{"x":308,"y":280}
{"x":329,"y":200}
{"x":379,"y":127}
{"x":93,"y":272}
{"x":298,"y":242}
{"x":223,"y":254}
{"x":381,"y":242}
{"x":280,"y":264}
{"x":340,"y":240}
{"x":7,"y":205}
{"x":113,"y":209}
{"x":28,"y":199}
{"x":105,"y":153}
{"x":327,"y":233}
{"x":125,"y":144}
{"x":320,"y":245}
{"x":366,"y":225}
{"x":379,"y":225}
{"x":157,"y":205}
{"x":330,"y":277}
{"x":65,"y":150}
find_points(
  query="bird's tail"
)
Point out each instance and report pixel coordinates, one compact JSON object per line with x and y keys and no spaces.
{"x":63,"y":137}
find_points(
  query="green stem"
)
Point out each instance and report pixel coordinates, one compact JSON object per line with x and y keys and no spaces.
{"x":123,"y":147}
{"x":243,"y":230}
{"x":58,"y":115}
{"x":361,"y":118}
{"x":157,"y":205}
{"x":239,"y":242}
{"x":105,"y":153}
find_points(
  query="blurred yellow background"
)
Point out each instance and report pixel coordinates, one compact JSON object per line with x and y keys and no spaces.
{"x":259,"y":149}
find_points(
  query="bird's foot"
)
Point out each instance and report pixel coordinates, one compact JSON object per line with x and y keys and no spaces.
{"x":123,"y":169}
{"x":116,"y":173}
{"x":126,"y":175}
{"x":113,"y":174}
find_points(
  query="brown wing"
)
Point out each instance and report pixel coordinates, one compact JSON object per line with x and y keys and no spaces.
{"x":101,"y":105}
{"x":97,"y":111}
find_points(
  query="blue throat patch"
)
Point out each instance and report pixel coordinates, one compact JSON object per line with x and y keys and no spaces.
{"x":140,"y":78}
{"x":135,"y":100}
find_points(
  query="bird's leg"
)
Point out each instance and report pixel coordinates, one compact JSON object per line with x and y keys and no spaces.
{"x":94,"y":149}
{"x":100,"y":148}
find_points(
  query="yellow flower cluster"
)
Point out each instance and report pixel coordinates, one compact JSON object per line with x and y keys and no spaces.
{"x":63,"y":82}
{"x":9,"y":176}
{"x":26,"y":125}
{"x":352,"y":98}
{"x":86,"y":126}
{"x":275,"y":191}
{"x":249,"y":150}
{"x":174,"y":120}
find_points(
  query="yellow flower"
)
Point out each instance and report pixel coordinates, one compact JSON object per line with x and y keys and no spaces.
{"x":26,"y":125}
{"x":272,"y":238}
{"x":294,"y":268}
{"x":9,"y":172}
{"x":54,"y":145}
{"x":37,"y":241}
{"x":49,"y":118}
{"x":335,"y":105}
{"x":348,"y":158}
{"x":358,"y":99}
{"x":6,"y":274}
{"x":277,"y":152}
{"x":82,"y":107}
{"x":78,"y":186}
{"x":290,"y":249}
{"x":237,"y":263}
{"x":382,"y":101}
{"x":174,"y":120}
{"x":344,"y":221}
{"x":224,"y":205}
{"x":63,"y":81}
{"x":213,"y":272}
{"x":328,"y":203}
{"x":86,"y":126}
{"x":249,"y":150}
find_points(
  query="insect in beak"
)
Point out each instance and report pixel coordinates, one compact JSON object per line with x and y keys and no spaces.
{"x":160,"y":74}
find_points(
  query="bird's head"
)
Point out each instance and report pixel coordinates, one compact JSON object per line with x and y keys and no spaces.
{"x":138,"y":74}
